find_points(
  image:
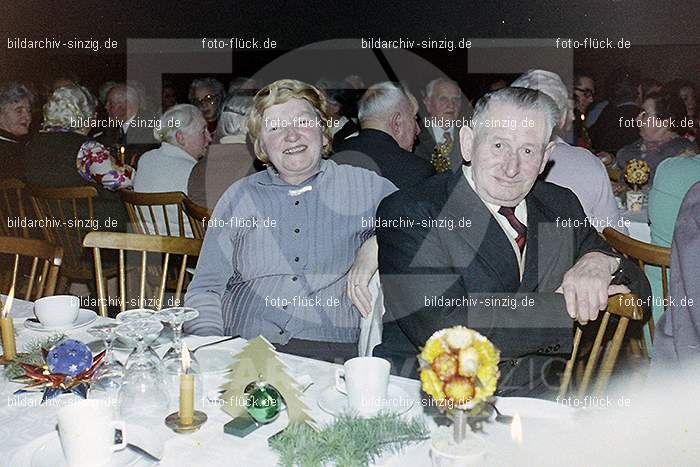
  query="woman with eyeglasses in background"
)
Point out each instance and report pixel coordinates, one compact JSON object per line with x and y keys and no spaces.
{"x":660,"y":126}
{"x":208,"y":94}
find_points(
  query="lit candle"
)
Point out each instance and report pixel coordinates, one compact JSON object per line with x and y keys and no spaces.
{"x":121,"y":154}
{"x":7,"y":326}
{"x":516,"y":430}
{"x":186,"y":389}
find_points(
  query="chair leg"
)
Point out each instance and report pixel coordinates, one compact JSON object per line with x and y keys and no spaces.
{"x":610,"y":358}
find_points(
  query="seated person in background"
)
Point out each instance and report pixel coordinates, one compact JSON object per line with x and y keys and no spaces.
{"x":62,"y":155}
{"x":184,"y":140}
{"x":290,"y":251}
{"x":445,"y":105}
{"x":484,"y":239}
{"x":388,"y":121}
{"x":673,"y":179}
{"x":15,"y":118}
{"x":573,"y":167}
{"x":225,"y":162}
{"x":208,"y":95}
{"x":677,"y":336}
{"x":615,"y":127}
{"x":659,"y":135}
{"x":339,"y":98}
{"x":130,"y":124}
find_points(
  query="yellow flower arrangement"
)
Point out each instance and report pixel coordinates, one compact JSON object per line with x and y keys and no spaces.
{"x":637,"y":172}
{"x":459,"y":367}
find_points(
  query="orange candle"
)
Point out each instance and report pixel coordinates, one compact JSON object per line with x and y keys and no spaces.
{"x":186,"y":411}
{"x":121,"y":154}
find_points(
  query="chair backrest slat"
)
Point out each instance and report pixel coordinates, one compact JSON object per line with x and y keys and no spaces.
{"x":168,"y":246}
{"x":52,"y":206}
{"x":625,"y":308}
{"x":35,"y":253}
{"x":12,"y":208}
{"x":162,"y":208}
{"x":199,"y":217}
{"x":646,"y":254}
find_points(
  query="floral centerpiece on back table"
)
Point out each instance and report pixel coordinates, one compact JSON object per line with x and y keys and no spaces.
{"x":459,"y":370}
{"x":637,"y":173}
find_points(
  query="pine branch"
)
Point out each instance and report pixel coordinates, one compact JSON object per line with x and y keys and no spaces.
{"x":350,"y":441}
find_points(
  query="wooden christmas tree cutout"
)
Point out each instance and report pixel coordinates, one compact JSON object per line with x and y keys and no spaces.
{"x":259,"y":361}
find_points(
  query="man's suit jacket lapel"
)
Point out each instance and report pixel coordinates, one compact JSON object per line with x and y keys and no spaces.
{"x":541,"y":232}
{"x":485,"y":236}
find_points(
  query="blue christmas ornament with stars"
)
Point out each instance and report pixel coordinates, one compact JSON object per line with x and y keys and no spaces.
{"x":68,"y":368}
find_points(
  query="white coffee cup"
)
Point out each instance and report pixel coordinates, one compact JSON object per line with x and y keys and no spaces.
{"x":57,"y":311}
{"x":365,"y":381}
{"x":87,"y":433}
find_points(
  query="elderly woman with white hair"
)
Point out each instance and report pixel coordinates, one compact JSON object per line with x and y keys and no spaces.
{"x":184,"y":139}
{"x":15,"y":118}
{"x":573,"y":167}
{"x":228,"y":161}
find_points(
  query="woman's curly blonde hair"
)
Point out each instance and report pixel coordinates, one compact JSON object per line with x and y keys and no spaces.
{"x":282,"y":91}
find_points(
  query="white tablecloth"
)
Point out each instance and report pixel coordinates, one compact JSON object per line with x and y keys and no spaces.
{"x":637,"y":224}
{"x":22,"y":419}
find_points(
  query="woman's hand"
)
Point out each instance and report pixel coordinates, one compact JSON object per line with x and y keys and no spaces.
{"x":362,"y":270}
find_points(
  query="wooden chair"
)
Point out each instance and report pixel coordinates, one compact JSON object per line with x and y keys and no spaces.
{"x":35,"y":278}
{"x":625,"y":307}
{"x":151,"y":213}
{"x":645,"y":254}
{"x":13,"y":199}
{"x":144,"y":244}
{"x":198,"y":215}
{"x":67,"y":214}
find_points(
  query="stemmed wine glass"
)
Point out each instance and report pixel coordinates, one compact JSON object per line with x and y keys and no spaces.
{"x":110,"y":373}
{"x":175,"y":317}
{"x":131,"y":339}
{"x":143,"y":391}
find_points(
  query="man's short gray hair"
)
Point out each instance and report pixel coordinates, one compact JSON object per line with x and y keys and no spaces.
{"x":430,"y":87}
{"x":216,"y":87}
{"x":380,"y":100}
{"x":547,"y":82}
{"x":234,"y":116}
{"x":177,"y":118}
{"x":13,"y":92}
{"x":522,"y":98}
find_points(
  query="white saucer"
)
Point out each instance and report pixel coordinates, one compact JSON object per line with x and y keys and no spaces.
{"x":335,"y":403}
{"x":85,"y":317}
{"x":215,"y":361}
{"x":46,"y":451}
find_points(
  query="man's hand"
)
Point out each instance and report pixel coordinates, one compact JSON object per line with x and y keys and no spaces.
{"x":362,"y":270}
{"x":586,"y":286}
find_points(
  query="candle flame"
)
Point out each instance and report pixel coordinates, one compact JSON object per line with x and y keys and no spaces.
{"x":121,"y":150}
{"x":7,"y":307}
{"x":186,"y":362}
{"x":516,"y":430}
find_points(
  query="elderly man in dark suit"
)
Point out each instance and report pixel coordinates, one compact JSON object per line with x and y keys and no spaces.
{"x":388,"y":120}
{"x":492,"y":248}
{"x":447,"y":111}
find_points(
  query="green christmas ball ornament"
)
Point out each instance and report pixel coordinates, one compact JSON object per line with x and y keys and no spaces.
{"x":263,"y":402}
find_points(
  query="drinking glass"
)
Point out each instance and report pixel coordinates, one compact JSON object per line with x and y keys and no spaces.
{"x":110,"y":373}
{"x":175,"y":317}
{"x":143,"y":392}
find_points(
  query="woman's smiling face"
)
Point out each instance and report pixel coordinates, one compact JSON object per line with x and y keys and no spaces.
{"x":292,"y":138}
